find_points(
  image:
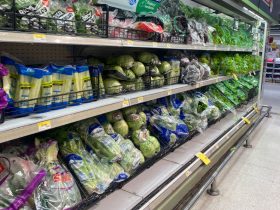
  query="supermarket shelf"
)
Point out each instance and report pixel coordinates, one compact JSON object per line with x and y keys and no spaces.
{"x":20,"y":127}
{"x":23,"y":37}
{"x":135,"y":190}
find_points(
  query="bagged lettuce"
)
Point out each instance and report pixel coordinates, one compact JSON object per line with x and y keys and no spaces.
{"x":62,"y":81}
{"x":85,"y":165}
{"x":59,"y":189}
{"x":95,"y":136}
{"x":45,"y":97}
{"x":19,"y":178}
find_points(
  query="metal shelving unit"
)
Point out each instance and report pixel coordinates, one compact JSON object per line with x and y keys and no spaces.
{"x":272,"y":72}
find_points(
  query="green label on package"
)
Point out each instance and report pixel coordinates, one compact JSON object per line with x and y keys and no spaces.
{"x":139,"y":6}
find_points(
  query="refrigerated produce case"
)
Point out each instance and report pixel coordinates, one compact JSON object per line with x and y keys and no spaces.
{"x":175,"y":175}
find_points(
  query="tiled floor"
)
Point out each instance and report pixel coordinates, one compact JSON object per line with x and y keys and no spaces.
{"x":251,"y":181}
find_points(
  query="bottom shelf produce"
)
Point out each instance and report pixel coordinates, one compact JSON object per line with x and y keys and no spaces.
{"x":77,"y":165}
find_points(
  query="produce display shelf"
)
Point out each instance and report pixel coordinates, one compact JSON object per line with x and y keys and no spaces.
{"x":24,"y":37}
{"x":20,"y":127}
{"x":135,"y":191}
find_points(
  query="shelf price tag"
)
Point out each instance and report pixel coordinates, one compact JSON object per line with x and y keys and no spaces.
{"x":140,"y":99}
{"x":130,"y":42}
{"x":169,"y":92}
{"x":125,"y":103}
{"x":235,"y":77}
{"x":155,"y":44}
{"x":39,"y":37}
{"x":45,"y":125}
{"x":197,"y":85}
{"x":246,"y":120}
{"x":203,"y":158}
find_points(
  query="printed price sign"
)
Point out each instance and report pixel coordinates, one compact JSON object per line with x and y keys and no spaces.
{"x":235,"y":77}
{"x":246,"y":120}
{"x":125,"y":103}
{"x":169,"y":92}
{"x":140,"y":99}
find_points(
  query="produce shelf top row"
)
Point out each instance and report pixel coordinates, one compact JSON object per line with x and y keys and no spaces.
{"x":185,"y":26}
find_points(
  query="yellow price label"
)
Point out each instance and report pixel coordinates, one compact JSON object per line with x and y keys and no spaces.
{"x":203,"y":158}
{"x":246,"y":120}
{"x":169,"y":92}
{"x":155,"y":44}
{"x":188,"y":173}
{"x":168,"y":45}
{"x":256,"y":108}
{"x":140,"y":99}
{"x":45,"y":125}
{"x":39,"y":37}
{"x":235,"y":77}
{"x":130,"y":42}
{"x":125,"y":103}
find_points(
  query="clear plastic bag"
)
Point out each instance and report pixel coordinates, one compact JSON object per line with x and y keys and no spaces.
{"x":85,"y":165}
{"x":58,"y":190}
{"x":19,"y":178}
{"x":95,"y":136}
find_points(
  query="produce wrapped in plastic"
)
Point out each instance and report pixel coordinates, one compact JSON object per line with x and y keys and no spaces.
{"x":23,"y":85}
{"x":63,"y":16}
{"x":62,"y":81}
{"x":86,"y":166}
{"x":191,"y":73}
{"x":45,"y":97}
{"x":37,"y":9}
{"x":95,"y":136}
{"x":88,"y":17}
{"x":149,"y":145}
{"x":59,"y":190}
{"x":132,"y":157}
{"x":168,"y":129}
{"x":19,"y":178}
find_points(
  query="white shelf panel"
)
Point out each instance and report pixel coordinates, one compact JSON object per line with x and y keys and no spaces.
{"x":23,"y":37}
{"x":20,"y":127}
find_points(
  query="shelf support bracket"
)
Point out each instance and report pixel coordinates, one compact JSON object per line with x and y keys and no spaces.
{"x":213,"y":191}
{"x":247,"y":144}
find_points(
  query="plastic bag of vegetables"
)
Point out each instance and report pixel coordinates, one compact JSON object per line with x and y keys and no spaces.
{"x":32,"y":8}
{"x":19,"y":178}
{"x":59,"y":189}
{"x":88,"y":17}
{"x":191,"y":73}
{"x":85,"y":165}
{"x":63,"y":16}
{"x":46,"y":90}
{"x":168,"y":129}
{"x":62,"y":81}
{"x":95,"y":136}
{"x":148,"y":145}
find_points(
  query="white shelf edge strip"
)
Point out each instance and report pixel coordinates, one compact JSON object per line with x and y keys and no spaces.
{"x":20,"y":127}
{"x":23,"y":37}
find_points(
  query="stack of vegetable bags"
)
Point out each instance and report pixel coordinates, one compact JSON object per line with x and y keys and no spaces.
{"x":3,"y":95}
{"x":154,"y":68}
{"x":123,"y":74}
{"x":194,"y":71}
{"x":168,"y":128}
{"x":228,"y":93}
{"x":22,"y":85}
{"x":131,"y":156}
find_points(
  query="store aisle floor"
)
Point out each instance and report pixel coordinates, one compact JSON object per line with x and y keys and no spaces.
{"x":251,"y":180}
